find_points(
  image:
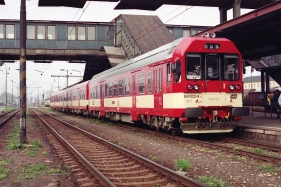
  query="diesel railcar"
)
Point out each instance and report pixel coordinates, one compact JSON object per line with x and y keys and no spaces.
{"x":192,"y":85}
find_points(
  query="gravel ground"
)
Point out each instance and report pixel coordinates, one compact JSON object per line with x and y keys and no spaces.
{"x":30,"y":167}
{"x":233,"y":169}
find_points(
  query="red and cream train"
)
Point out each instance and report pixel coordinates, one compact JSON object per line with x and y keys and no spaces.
{"x":193,"y":85}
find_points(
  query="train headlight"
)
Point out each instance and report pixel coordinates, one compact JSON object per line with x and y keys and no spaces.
{"x":196,"y":87}
{"x":189,"y":87}
{"x":231,"y":87}
{"x":237,"y":87}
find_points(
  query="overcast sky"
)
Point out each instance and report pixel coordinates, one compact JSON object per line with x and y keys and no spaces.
{"x":95,"y":12}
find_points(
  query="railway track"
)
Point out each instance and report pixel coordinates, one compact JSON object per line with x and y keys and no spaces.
{"x":6,"y":116}
{"x":233,"y":150}
{"x":108,"y":164}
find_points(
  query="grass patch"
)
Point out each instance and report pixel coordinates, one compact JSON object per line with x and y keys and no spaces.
{"x":8,"y":109}
{"x":153,"y":158}
{"x":259,"y":151}
{"x":31,"y":171}
{"x":269,"y":169}
{"x":33,"y":150}
{"x":101,"y":134}
{"x":3,"y":171}
{"x":14,"y":138}
{"x":182,"y":165}
{"x":212,"y":181}
{"x":44,"y":153}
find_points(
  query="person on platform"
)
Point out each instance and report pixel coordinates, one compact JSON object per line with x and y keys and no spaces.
{"x":276,"y":103}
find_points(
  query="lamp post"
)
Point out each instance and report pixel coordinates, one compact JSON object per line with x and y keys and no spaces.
{"x":12,"y":92}
{"x":7,"y":86}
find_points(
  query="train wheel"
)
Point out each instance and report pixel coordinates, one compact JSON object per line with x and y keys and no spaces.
{"x":174,"y":132}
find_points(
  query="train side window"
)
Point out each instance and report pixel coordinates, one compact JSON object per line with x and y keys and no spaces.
{"x":101,"y":95}
{"x":177,"y":77}
{"x":115,"y":88}
{"x":110,"y":90}
{"x":134,"y":87}
{"x":98,"y":91}
{"x":141,"y":82}
{"x":168,"y":73}
{"x":121,"y":89}
{"x":106,"y":89}
{"x":127,"y":86}
{"x":149,"y":82}
{"x":160,"y":80}
{"x":155,"y":81}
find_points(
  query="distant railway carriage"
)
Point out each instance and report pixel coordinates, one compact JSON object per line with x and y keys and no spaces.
{"x":193,"y":85}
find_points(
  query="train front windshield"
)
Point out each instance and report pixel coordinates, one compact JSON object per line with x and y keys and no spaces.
{"x":212,"y":66}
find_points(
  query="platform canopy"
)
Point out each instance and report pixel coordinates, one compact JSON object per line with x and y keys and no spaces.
{"x":155,"y":4}
{"x":2,"y":2}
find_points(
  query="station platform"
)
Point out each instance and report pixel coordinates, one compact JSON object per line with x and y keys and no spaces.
{"x":260,"y":128}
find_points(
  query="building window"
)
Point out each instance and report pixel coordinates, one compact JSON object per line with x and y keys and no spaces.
{"x":71,"y":32}
{"x":141,"y":83}
{"x":193,"y":32}
{"x":31,"y":32}
{"x":81,"y":33}
{"x":41,"y":35}
{"x":149,"y":82}
{"x":186,"y":33}
{"x":51,"y":32}
{"x":10,"y":31}
{"x":91,"y":33}
{"x":1,"y":31}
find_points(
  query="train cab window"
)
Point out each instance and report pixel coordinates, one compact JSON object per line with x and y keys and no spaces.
{"x":155,"y":81}
{"x":127,"y":86}
{"x":160,"y":80}
{"x":231,"y":67}
{"x":168,"y":73}
{"x":110,"y":90}
{"x":212,"y":66}
{"x":149,"y":82}
{"x":115,"y":88}
{"x":177,"y":76}
{"x":193,"y":64}
{"x":141,"y":83}
{"x":121,"y":87}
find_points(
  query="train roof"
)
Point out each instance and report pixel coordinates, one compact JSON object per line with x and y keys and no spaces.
{"x":161,"y":53}
{"x":156,"y":55}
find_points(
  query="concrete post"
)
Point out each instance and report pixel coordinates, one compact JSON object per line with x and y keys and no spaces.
{"x":223,"y":15}
{"x":23,"y":138}
{"x":236,"y":8}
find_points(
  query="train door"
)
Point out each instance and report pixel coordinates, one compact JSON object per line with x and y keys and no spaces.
{"x":134,"y":112}
{"x":158,"y":87}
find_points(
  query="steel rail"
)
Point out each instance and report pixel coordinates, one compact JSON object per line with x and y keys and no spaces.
{"x":253,"y":144}
{"x":92,"y":169}
{"x":165,"y":171}
{"x":9,"y":117}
